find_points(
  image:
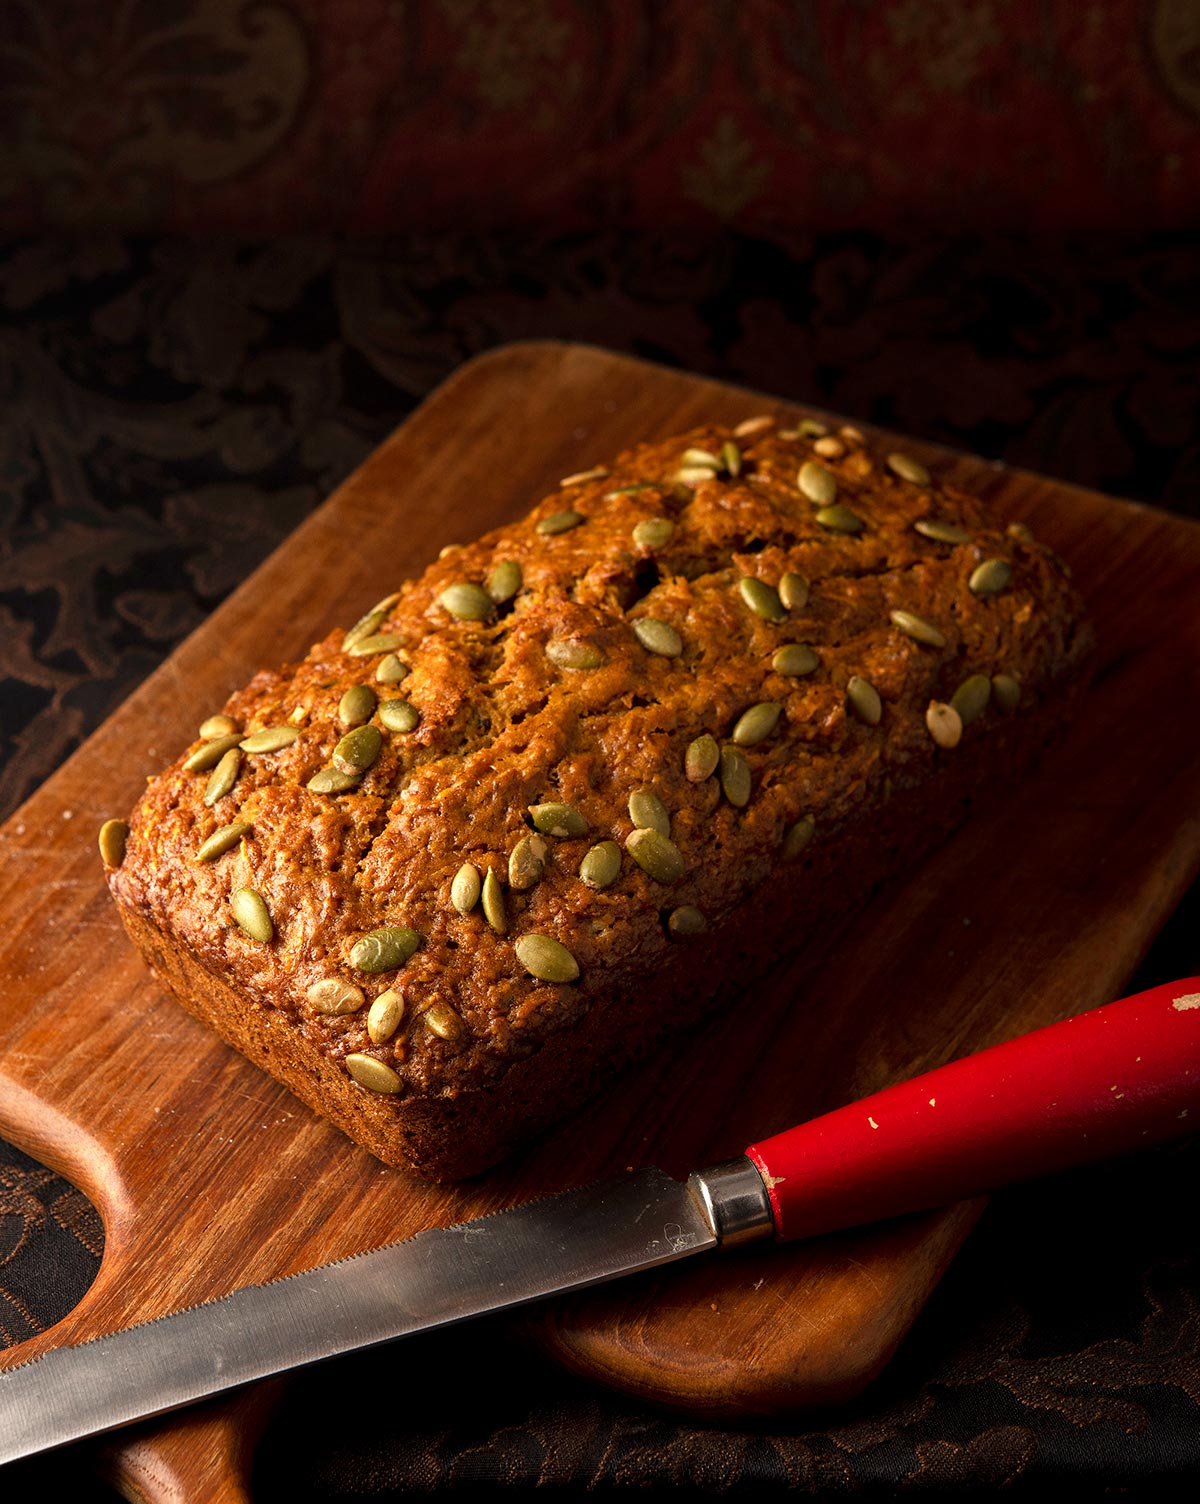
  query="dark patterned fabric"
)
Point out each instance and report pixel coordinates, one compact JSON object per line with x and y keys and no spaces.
{"x":170,"y":410}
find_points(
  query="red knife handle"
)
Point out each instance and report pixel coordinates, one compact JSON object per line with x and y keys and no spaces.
{"x":1103,"y":1082}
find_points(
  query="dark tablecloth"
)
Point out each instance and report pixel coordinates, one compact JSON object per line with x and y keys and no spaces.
{"x":170,"y":410}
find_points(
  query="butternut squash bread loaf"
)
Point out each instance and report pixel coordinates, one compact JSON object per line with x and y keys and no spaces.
{"x":551,"y":800}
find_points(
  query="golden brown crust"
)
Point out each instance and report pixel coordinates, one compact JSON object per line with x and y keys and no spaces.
{"x":504,"y":726}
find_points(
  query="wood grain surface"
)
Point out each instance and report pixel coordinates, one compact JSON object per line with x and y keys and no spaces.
{"x":209,"y":1176}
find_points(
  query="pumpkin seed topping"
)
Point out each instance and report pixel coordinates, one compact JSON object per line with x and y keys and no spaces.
{"x":112,"y":838}
{"x":702,"y":459}
{"x":763,"y":599}
{"x":357,"y":705}
{"x":757,"y":723}
{"x":218,"y":725}
{"x":391,"y":670}
{"x":748,"y":427}
{"x":252,"y":915}
{"x":581,"y":477}
{"x":601,"y":865}
{"x":504,"y":581}
{"x":493,"y":903}
{"x":442,"y":1020}
{"x":642,"y":485}
{"x":648,"y":812}
{"x":373,"y":1074}
{"x":656,"y":854}
{"x":384,"y":949}
{"x":448,"y":549}
{"x":795,"y":659}
{"x":811,"y":428}
{"x":829,"y":447}
{"x":794,"y":591}
{"x":1021,"y":531}
{"x":335,"y":996}
{"x":382,"y":642}
{"x":798,"y":837}
{"x":840,"y":519}
{"x":851,"y":434}
{"x":971,"y":697}
{"x":944,"y":724}
{"x":990,"y":578}
{"x":653,"y":532}
{"x":658,"y":637}
{"x":384,"y":1016}
{"x":864,"y":701}
{"x":546,"y":958}
{"x":526,"y":862}
{"x":692,"y":476}
{"x":817,"y":483}
{"x":917,"y":628}
{"x":271,"y":739}
{"x":686,"y":921}
{"x":211,"y":753}
{"x":941,"y":532}
{"x":561,"y":820}
{"x":223,"y":777}
{"x":735,"y":777}
{"x":731,"y":458}
{"x":908,"y":469}
{"x":399,"y":715}
{"x":467,"y":602}
{"x":559,"y":522}
{"x":366,"y":626}
{"x":222,"y":840}
{"x":333,"y":781}
{"x":465,"y":889}
{"x":1006,"y":693}
{"x":701,"y":759}
{"x":571,"y":653}
{"x":358,"y":749}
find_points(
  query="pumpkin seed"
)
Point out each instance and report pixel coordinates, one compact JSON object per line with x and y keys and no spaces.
{"x":990,"y":578}
{"x":829,"y":448}
{"x":971,"y":697}
{"x":561,"y":820}
{"x":571,"y":653}
{"x":757,"y":723}
{"x":384,"y":1016}
{"x":559,"y":522}
{"x":271,"y":739}
{"x":399,"y":715}
{"x":581,"y":477}
{"x":811,"y":428}
{"x":526,"y":862}
{"x":391,"y":670}
{"x":442,"y":1020}
{"x":333,"y":781}
{"x":546,"y":958}
{"x":222,"y":840}
{"x":358,"y":749}
{"x":763,"y":599}
{"x":798,"y":837}
{"x":692,"y":476}
{"x":852,"y":435}
{"x":918,"y":628}
{"x":373,"y":1074}
{"x":648,"y":812}
{"x":702,"y":459}
{"x":448,"y":549}
{"x":464,"y":890}
{"x":384,"y":949}
{"x":112,"y":838}
{"x":793,"y":591}
{"x":601,"y":865}
{"x":653,"y":532}
{"x":493,"y":903}
{"x":357,"y":705}
{"x":731,"y":458}
{"x":795,"y":659}
{"x":656,"y":854}
{"x":645,"y":485}
{"x":908,"y":469}
{"x":504,"y":581}
{"x":211,"y":753}
{"x":944,"y":724}
{"x":252,"y":915}
{"x":1021,"y":531}
{"x":218,"y":725}
{"x":735,"y":777}
{"x":366,"y":626}
{"x":817,"y":483}
{"x":941,"y":532}
{"x":701,"y":758}
{"x":1006,"y":693}
{"x":686,"y":921}
{"x":658,"y":637}
{"x":864,"y":701}
{"x":840,"y":519}
{"x":467,"y":602}
{"x":335,"y":996}
{"x":748,"y":427}
{"x":382,"y":642}
{"x":223,"y":777}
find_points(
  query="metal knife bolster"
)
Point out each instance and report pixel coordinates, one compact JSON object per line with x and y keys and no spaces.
{"x":734,"y":1201}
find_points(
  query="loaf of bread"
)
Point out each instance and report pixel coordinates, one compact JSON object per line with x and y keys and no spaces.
{"x":565,"y":791}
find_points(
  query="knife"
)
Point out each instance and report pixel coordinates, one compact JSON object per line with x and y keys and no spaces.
{"x":1116,"y":1078}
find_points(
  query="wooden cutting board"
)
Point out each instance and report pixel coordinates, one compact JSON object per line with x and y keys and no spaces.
{"x":210,"y":1176}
